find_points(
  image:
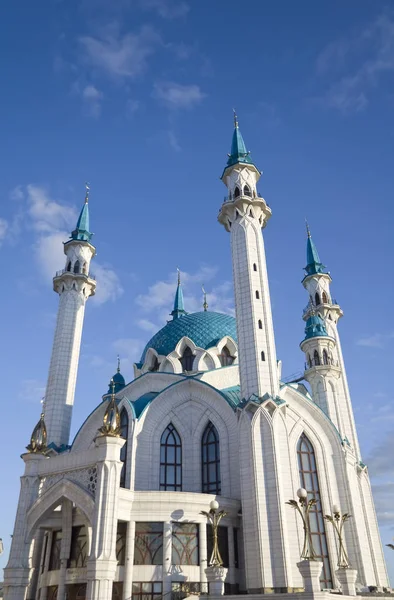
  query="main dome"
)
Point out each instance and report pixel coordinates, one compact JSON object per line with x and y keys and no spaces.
{"x":205,"y":329}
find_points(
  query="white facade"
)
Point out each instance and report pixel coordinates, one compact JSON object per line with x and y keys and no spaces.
{"x":205,"y":417}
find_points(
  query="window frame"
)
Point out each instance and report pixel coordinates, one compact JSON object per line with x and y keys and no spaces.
{"x":208,"y":486}
{"x":166,"y":465}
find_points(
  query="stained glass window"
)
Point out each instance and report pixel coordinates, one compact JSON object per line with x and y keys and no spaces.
{"x":210,"y":460}
{"x":124,"y":432}
{"x":185,"y":544}
{"x":79,"y":547}
{"x":148,"y":545}
{"x":121,"y":542}
{"x":147,"y":590}
{"x":170,"y":460}
{"x":310,"y":481}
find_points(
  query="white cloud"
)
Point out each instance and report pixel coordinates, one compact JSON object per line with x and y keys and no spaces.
{"x":383,"y":497}
{"x":132,"y":106}
{"x":108,"y":284}
{"x":167,"y":9}
{"x":121,"y":56}
{"x":47,"y":215}
{"x":32,"y":390}
{"x":49,"y":253}
{"x":173,"y":140}
{"x":377,"y":340}
{"x":176,"y":95}
{"x":129,"y":351}
{"x":3,"y":229}
{"x":92,"y":98}
{"x":372,"y":51}
{"x":147,"y":325}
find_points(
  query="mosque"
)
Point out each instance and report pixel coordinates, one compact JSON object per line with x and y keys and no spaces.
{"x":116,"y":511}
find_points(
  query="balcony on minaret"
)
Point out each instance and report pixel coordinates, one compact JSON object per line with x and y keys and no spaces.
{"x":73,"y":273}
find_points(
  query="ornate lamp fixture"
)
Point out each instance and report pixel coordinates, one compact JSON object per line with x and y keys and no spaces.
{"x":214,"y":517}
{"x":38,"y":440}
{"x":111,"y":419}
{"x":337,"y":520}
{"x":303,"y":507}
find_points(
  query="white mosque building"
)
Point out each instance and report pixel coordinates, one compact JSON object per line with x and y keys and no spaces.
{"x":116,"y":511}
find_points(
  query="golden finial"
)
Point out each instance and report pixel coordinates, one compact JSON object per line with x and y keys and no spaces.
{"x":111,"y":419}
{"x":235,"y":118}
{"x":205,"y":305}
{"x":87,"y":190}
{"x":308,"y":231}
{"x":38,"y":440}
{"x":118,"y":369}
{"x":179,"y":275}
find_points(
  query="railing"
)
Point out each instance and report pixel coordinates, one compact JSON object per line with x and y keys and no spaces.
{"x":318,"y":363}
{"x":62,"y":271}
{"x":330,"y":301}
{"x":231,"y":198}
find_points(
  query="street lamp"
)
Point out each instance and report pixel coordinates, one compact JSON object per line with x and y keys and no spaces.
{"x":214,"y":517}
{"x":303,"y":507}
{"x":337,"y":520}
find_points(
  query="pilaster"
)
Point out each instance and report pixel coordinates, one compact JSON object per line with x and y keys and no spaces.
{"x":167,"y":556}
{"x":129,"y":562}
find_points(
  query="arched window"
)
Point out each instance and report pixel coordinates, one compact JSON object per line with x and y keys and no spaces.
{"x":317,"y":299}
{"x":262,"y":356}
{"x":247,"y":191}
{"x":309,"y":361}
{"x":210,"y":460}
{"x":324,"y":297}
{"x":254,"y":267}
{"x":187,"y":359}
{"x":84,"y":269}
{"x":76,"y":267}
{"x":257,"y":294}
{"x":260,"y":324}
{"x":325,"y":358}
{"x":236,"y":192}
{"x":170,"y":460}
{"x":69,"y":265}
{"x":309,"y":480}
{"x":155,"y":366}
{"x":225,"y":357}
{"x":316,"y":358}
{"x":124,"y":432}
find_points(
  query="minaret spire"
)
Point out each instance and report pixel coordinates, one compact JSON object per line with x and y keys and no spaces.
{"x":205,"y":305}
{"x":179,"y":308}
{"x":314,"y":265}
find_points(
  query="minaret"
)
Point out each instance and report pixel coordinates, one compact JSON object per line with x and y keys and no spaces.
{"x":330,"y":387}
{"x":244,"y":213}
{"x":179,"y":306}
{"x":74,"y":284}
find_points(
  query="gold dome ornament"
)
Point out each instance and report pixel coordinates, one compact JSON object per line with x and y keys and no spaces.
{"x":38,"y":440}
{"x":111,"y":419}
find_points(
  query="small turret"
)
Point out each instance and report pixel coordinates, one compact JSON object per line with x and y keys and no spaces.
{"x":38,"y":440}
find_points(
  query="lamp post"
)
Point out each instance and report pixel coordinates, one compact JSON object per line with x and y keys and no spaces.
{"x":337,"y":520}
{"x":214,"y":517}
{"x":303,"y":507}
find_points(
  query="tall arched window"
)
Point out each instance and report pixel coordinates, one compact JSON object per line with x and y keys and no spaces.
{"x":262,"y":355}
{"x":187,"y":359}
{"x":155,"y":365}
{"x":77,"y":267}
{"x":309,"y":361}
{"x":309,"y":480}
{"x":325,"y":357}
{"x":316,"y":358}
{"x":124,"y":432}
{"x":317,"y":299}
{"x":170,"y":460}
{"x":225,"y":357}
{"x":236,"y":192}
{"x":247,"y":191}
{"x":210,"y":460}
{"x":260,"y":324}
{"x":324,"y":298}
{"x":254,"y":267}
{"x":257,"y":295}
{"x":69,"y":265}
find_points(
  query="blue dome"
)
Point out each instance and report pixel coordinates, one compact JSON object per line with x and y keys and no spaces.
{"x":119,"y":382}
{"x":205,"y":329}
{"x":315,"y":327}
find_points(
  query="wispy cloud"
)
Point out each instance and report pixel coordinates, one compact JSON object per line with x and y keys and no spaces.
{"x":92,"y":98}
{"x":358,"y":64}
{"x":108,"y":284}
{"x":3,"y":229}
{"x":178,"y":96}
{"x":173,"y":140}
{"x":120,"y":55}
{"x":376,"y":340}
{"x":167,"y":9}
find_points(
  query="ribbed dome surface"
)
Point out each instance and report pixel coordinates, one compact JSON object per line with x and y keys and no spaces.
{"x":205,"y":329}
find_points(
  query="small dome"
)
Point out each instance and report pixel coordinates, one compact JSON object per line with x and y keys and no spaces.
{"x":315,"y":327}
{"x":119,"y":382}
{"x":205,"y":329}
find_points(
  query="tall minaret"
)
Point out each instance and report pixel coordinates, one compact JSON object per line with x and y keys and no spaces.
{"x":244,"y":213}
{"x":334,"y":388}
{"x":74,"y":284}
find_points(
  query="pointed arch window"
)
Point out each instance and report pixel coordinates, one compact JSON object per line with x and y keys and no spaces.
{"x":155,"y":366}
{"x":124,"y":432}
{"x":247,"y":191}
{"x":309,"y":480}
{"x":77,"y":267}
{"x":317,"y":299}
{"x":187,"y":359}
{"x":236,"y":192}
{"x":309,"y":361}
{"x":170,"y":460}
{"x":325,"y":358}
{"x":324,"y":298}
{"x":257,"y":295}
{"x":260,"y":324}
{"x":316,"y":358}
{"x":262,"y":355}
{"x":225,"y":357}
{"x":69,"y":265}
{"x":254,"y":267}
{"x":210,"y":460}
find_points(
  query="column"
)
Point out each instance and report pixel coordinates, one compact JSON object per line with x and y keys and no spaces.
{"x":35,"y":563}
{"x":67,"y":508}
{"x":129,"y":561}
{"x":44,"y":590}
{"x":202,"y":535}
{"x":231,"y":557}
{"x":167,"y":557}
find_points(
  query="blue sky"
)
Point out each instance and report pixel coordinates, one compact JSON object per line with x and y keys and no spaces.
{"x":136,"y":97}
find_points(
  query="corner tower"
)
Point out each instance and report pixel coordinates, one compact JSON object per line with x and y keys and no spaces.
{"x":329,"y":385}
{"x":75,"y":285}
{"x":244,"y":214}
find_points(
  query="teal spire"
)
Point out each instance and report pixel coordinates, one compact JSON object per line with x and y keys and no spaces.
{"x":238,"y":154}
{"x":81,"y":232}
{"x":315,"y":327}
{"x":312,"y":257}
{"x":179,"y":307}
